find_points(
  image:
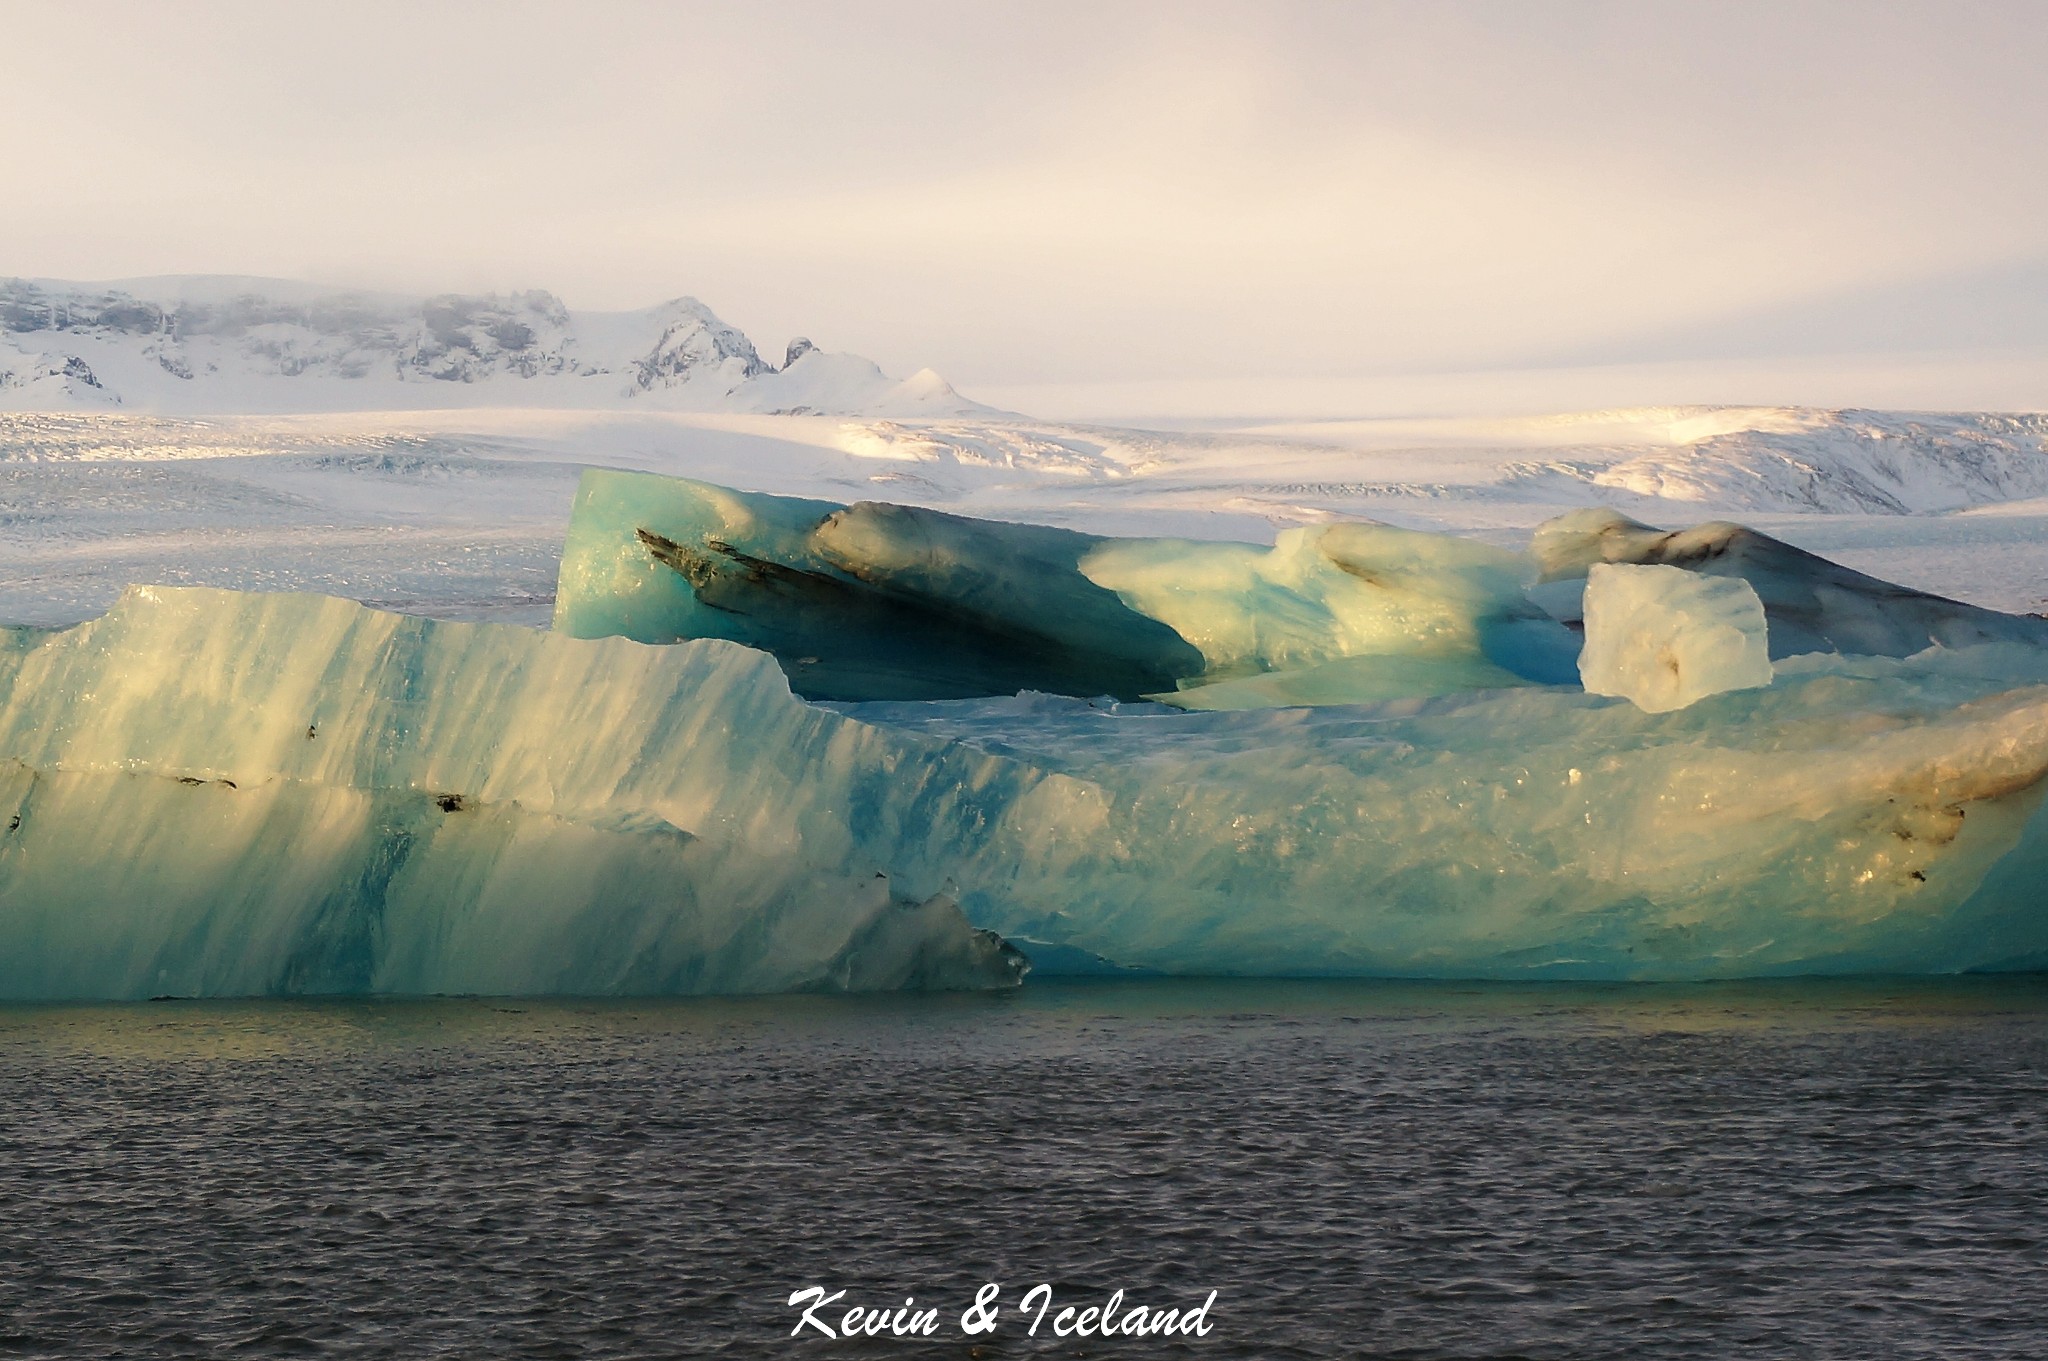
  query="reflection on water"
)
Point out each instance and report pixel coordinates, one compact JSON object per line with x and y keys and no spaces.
{"x":1846,"y":1168}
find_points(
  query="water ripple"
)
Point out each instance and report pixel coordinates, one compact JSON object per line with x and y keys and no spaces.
{"x":1814,"y":1170}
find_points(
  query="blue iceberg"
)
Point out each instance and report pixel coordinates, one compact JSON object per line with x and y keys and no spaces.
{"x":1858,"y":816}
{"x":211,"y":793}
{"x":882,"y":602}
{"x":207,"y":793}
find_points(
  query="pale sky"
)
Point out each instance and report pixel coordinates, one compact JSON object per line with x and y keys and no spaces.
{"x":1156,"y":203}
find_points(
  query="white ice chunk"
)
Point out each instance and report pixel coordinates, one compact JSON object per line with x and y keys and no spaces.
{"x":1813,"y":605}
{"x":1665,"y":638}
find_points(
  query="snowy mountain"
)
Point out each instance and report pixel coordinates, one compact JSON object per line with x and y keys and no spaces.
{"x":221,"y":344}
{"x":1870,"y":462}
{"x":1733,"y":459}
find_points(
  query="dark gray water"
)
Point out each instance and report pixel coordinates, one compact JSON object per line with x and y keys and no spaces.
{"x":1853,"y":1170}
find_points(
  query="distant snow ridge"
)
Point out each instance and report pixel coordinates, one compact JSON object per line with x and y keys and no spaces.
{"x":206,"y":343}
{"x":983,"y":446}
{"x":1892,"y":463}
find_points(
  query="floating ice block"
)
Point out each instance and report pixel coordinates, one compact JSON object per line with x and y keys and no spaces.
{"x":212,"y":793}
{"x":1664,"y":638}
{"x":1813,"y":605}
{"x":874,"y":601}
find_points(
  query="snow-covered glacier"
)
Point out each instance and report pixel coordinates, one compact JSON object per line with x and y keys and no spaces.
{"x":1871,"y":462}
{"x":208,"y":344}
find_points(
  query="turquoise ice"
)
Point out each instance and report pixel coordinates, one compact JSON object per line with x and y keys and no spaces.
{"x":1858,"y":816}
{"x":874,"y":601}
{"x":1372,"y":766}
{"x":214,"y":793}
{"x":862,"y":602}
{"x":1443,"y":812}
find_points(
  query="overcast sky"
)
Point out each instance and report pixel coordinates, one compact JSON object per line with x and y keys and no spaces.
{"x":1036,"y":196}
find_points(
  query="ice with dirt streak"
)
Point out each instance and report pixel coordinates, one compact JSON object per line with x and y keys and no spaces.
{"x":216,"y":793}
{"x":209,"y":793}
{"x":875,"y":601}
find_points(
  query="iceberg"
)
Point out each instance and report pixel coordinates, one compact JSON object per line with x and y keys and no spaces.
{"x":1664,"y":638}
{"x":1451,"y":804}
{"x":863,"y":602}
{"x":1813,"y":605}
{"x":207,"y":793}
{"x":211,"y":793}
{"x":883,"y":602}
{"x":1859,"y":815}
{"x":1371,"y":761}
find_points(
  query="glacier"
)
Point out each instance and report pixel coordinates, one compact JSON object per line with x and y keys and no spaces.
{"x":212,"y":343}
{"x":1870,"y":462}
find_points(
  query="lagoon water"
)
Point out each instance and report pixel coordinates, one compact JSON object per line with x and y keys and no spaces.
{"x":1843,"y":1169}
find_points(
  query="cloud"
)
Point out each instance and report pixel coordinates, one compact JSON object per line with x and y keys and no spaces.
{"x":1055,"y":192}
